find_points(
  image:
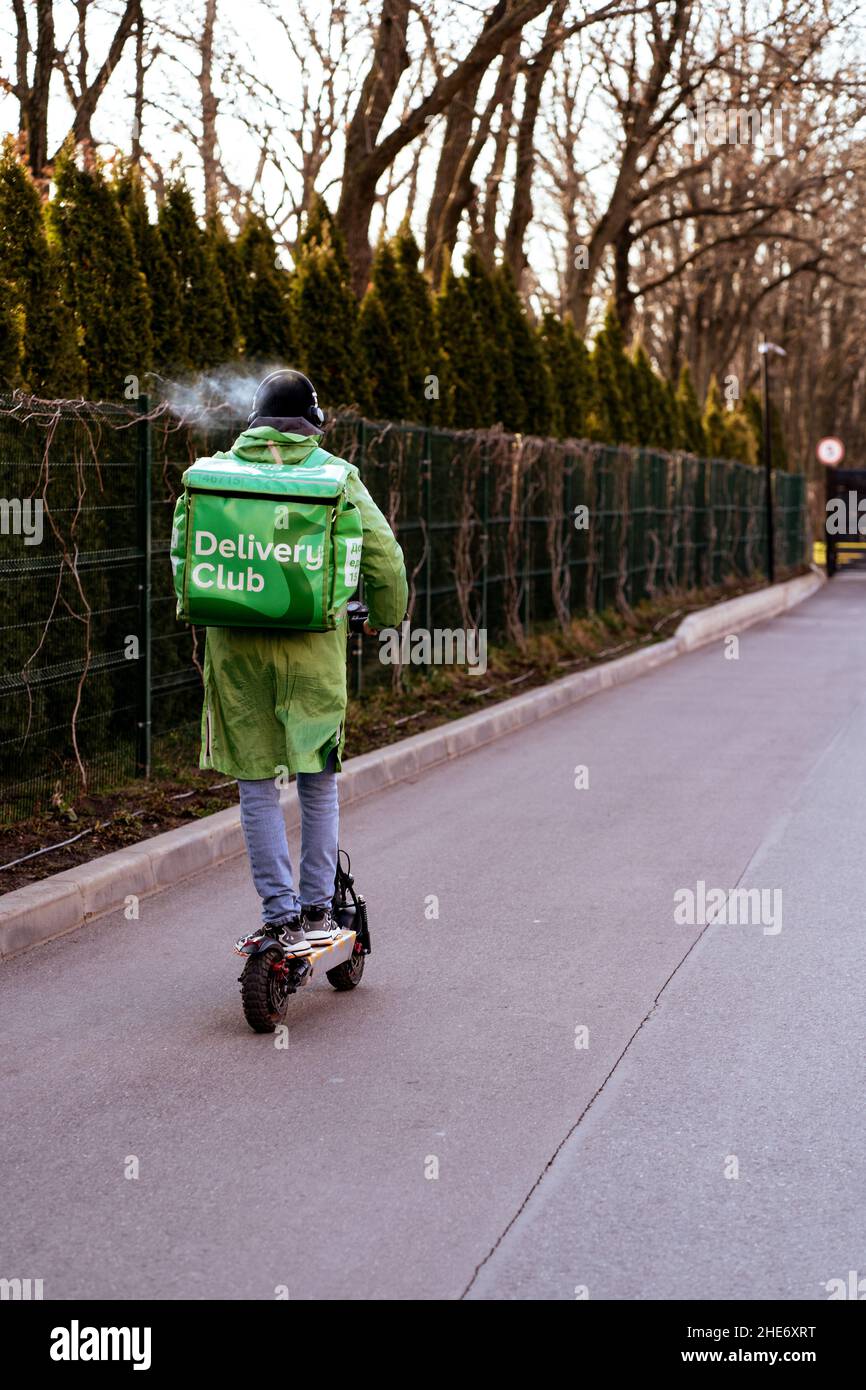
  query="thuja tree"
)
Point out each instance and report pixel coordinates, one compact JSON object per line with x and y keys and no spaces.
{"x":166,"y":316}
{"x":613,"y":384}
{"x":388,"y":291}
{"x":568,"y":365}
{"x":754,"y":413}
{"x":486,"y":306}
{"x":467,"y":391}
{"x":552,"y":335}
{"x":40,"y":334}
{"x":231,"y":267}
{"x":522,"y":342}
{"x":325,"y":315}
{"x":383,"y":392}
{"x":755,"y":416}
{"x":319,"y":227}
{"x":106,"y":297}
{"x":209,"y":324}
{"x":267,"y":322}
{"x":385,"y":336}
{"x":670,"y":412}
{"x":579,"y":404}
{"x":740,"y":438}
{"x":101,"y":284}
{"x":645,"y":400}
{"x":722,"y":439}
{"x":423,"y":355}
{"x":10,"y":339}
{"x":691,"y":435}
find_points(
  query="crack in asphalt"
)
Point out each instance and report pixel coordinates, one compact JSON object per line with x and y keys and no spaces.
{"x":773,"y":834}
{"x":593,"y":1098}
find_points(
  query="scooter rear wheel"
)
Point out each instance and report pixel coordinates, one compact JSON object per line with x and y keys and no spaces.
{"x":348,"y":974}
{"x":264,"y":995}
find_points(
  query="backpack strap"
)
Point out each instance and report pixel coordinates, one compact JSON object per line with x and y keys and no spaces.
{"x":320,"y":455}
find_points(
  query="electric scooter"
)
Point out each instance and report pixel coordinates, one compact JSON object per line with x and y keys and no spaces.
{"x":272,"y":973}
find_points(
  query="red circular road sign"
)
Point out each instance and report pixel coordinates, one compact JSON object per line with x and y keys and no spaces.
{"x":830,"y":451}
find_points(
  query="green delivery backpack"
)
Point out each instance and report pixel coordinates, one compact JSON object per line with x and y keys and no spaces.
{"x":267,"y":545}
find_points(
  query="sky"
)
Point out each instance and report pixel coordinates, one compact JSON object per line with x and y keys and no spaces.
{"x":252,"y":38}
{"x":251,"y":33}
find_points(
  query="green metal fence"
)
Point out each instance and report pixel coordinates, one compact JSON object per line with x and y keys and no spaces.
{"x":498,"y":532}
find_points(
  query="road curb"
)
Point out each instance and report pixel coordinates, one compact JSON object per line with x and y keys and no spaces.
{"x":68,"y":900}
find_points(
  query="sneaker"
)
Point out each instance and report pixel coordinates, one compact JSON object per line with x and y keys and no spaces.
{"x":290,"y":935}
{"x":318,"y":925}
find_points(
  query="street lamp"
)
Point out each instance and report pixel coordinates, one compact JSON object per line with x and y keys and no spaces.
{"x":765,"y":349}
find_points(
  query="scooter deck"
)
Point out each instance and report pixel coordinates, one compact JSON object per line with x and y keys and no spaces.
{"x":330,"y":953}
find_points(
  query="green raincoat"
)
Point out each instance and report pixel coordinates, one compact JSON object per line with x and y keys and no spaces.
{"x":275,"y":700}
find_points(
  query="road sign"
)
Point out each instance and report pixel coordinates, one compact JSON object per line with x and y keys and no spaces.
{"x":830,"y":451}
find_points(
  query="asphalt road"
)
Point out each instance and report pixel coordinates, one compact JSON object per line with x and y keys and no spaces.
{"x":438,"y":1131}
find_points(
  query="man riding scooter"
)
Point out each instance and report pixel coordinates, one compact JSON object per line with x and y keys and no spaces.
{"x":275,"y":698}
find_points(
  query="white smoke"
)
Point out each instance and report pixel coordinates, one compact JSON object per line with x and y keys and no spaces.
{"x":222,"y":395}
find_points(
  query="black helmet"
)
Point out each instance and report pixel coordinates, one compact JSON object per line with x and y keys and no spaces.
{"x":287,"y":395}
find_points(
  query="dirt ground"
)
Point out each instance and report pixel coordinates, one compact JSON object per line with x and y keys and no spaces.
{"x":95,"y":824}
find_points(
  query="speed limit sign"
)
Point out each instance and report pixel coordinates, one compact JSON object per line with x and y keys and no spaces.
{"x":830,"y":451}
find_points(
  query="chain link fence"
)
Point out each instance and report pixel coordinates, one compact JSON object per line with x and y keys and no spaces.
{"x":499,"y":532}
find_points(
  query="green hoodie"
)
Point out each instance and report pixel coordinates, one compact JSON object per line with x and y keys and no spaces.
{"x":276,"y":701}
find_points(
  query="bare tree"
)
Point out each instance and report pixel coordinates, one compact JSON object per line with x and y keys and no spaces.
{"x":32,"y":88}
{"x":209,"y":108}
{"x":521,"y":203}
{"x":367,"y":156}
{"x":714,"y":239}
{"x":294,"y":129}
{"x":83,"y":90}
{"x":459,"y":123}
{"x":644,"y":116}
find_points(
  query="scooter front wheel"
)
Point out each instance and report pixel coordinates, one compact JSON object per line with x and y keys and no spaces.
{"x":265,"y":991}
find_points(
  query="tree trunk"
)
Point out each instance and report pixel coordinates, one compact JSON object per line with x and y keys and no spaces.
{"x":365,"y":160}
{"x":361,"y":174}
{"x":485,"y":237}
{"x":458,"y":133}
{"x":464,"y":194}
{"x":138,"y":102}
{"x":452,"y":160}
{"x":209,"y":105}
{"x":36,"y":100}
{"x":521,"y":206}
{"x":623,"y":296}
{"x":643,"y":102}
{"x":89,"y":97}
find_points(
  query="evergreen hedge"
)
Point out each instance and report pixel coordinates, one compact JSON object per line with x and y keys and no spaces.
{"x":93,"y":290}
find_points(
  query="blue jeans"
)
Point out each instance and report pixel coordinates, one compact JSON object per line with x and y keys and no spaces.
{"x":265,"y":833}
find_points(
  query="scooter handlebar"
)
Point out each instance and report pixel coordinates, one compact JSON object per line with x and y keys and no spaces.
{"x":358,"y":614}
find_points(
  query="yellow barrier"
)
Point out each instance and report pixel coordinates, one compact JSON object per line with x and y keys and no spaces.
{"x":854,"y":550}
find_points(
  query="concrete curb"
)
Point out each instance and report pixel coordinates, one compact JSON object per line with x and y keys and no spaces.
{"x":65,"y":901}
